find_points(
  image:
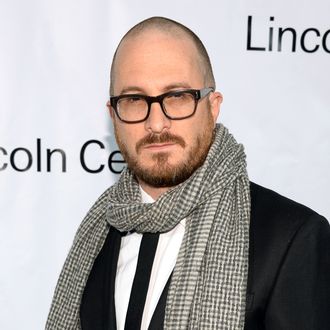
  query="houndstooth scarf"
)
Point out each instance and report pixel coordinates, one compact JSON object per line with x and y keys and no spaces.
{"x":208,"y":285}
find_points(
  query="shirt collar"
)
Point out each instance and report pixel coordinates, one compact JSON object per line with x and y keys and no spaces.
{"x":145,"y":197}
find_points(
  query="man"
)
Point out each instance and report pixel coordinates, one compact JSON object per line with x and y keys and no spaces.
{"x":183,"y":240}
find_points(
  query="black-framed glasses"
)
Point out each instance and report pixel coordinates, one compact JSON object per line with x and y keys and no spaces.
{"x":176,"y":105}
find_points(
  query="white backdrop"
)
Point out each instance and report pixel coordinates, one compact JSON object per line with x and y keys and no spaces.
{"x":54,"y":70}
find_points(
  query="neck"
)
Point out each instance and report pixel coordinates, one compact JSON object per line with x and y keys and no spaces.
{"x":154,"y":192}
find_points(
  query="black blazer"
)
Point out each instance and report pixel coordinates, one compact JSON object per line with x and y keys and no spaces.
{"x":289,"y":271}
{"x":289,"y":265}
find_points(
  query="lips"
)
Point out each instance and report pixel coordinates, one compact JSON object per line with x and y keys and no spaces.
{"x":159,"y":146}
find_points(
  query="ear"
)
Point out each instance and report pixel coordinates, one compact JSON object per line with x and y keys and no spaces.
{"x":110,"y":110}
{"x":215,"y":102}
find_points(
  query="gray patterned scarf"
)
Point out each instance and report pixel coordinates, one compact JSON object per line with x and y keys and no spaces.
{"x":208,"y":285}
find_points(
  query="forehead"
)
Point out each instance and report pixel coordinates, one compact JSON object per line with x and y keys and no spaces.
{"x":157,"y":58}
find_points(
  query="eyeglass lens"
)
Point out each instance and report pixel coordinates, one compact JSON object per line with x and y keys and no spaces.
{"x":176,"y":106}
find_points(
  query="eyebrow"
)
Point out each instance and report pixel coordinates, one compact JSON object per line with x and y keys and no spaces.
{"x":167,"y":88}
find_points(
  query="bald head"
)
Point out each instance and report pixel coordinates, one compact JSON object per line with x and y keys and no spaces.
{"x":173,"y":30}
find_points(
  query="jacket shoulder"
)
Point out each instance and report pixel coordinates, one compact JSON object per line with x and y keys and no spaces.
{"x":289,"y":249}
{"x":277,"y":209}
{"x":274,"y":223}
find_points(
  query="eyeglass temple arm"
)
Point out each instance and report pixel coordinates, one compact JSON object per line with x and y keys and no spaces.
{"x":206,"y":91}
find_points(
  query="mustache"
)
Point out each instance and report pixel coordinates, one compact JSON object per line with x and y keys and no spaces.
{"x":160,"y":138}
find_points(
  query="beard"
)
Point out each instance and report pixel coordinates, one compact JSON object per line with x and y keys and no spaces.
{"x":161,"y":173}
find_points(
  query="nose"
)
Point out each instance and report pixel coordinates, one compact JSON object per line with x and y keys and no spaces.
{"x":157,"y":122}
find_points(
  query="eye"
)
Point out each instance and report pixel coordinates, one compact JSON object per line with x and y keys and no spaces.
{"x":133,"y":99}
{"x":178,"y":94}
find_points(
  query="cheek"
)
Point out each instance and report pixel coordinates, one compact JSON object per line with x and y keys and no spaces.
{"x":195,"y":130}
{"x":128,"y":136}
{"x":202,"y":130}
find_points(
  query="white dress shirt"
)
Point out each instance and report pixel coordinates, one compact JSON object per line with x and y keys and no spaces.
{"x":166,"y":254}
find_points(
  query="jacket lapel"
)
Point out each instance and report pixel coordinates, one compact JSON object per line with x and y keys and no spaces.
{"x":97,"y":310}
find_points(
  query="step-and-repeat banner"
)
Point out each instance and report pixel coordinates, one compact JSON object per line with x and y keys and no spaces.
{"x":57,"y":150}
